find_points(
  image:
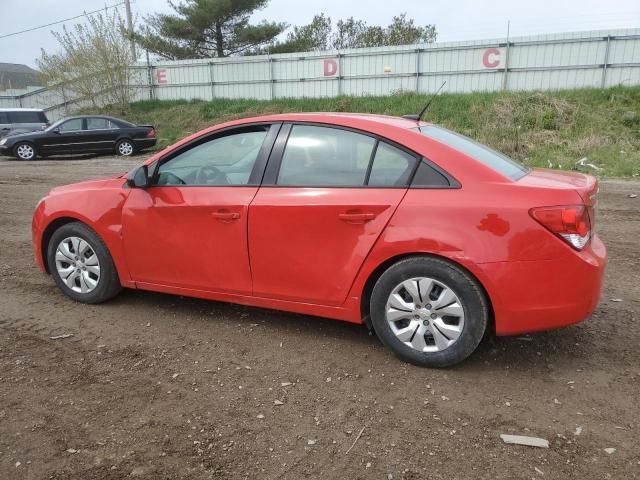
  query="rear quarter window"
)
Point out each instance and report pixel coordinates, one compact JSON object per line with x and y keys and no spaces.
{"x":489,"y":157}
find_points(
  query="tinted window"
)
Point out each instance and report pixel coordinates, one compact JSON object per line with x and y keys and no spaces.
{"x":4,"y":118}
{"x":226,"y":160}
{"x":99,"y":124}
{"x":427,"y":176}
{"x":391,"y":167}
{"x":25,"y":117}
{"x":495,"y":160}
{"x":323,"y":156}
{"x":71,"y":125}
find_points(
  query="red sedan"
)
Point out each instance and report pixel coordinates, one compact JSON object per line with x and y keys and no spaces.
{"x":424,"y":235}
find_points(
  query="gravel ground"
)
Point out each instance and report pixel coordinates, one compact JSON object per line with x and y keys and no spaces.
{"x":160,"y":387}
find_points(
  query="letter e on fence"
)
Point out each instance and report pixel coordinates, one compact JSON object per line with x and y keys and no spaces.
{"x":330,"y":67}
{"x":161,"y":76}
{"x":492,"y":58}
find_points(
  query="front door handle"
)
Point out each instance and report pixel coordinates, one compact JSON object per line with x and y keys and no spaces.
{"x":226,"y":216}
{"x":357,"y":217}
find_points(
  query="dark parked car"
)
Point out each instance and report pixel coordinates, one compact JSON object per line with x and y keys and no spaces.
{"x":21,"y":120}
{"x":84,"y":134}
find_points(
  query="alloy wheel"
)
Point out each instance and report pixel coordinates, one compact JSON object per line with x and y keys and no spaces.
{"x":77,"y":264}
{"x":125,"y":149}
{"x":25,"y":151}
{"x":425,"y":314}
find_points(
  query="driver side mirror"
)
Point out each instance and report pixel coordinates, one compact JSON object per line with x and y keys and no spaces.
{"x":139,"y":178}
{"x":56,"y":130}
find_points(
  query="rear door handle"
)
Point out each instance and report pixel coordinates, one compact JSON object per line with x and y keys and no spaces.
{"x":226,"y":216}
{"x":357,"y":217}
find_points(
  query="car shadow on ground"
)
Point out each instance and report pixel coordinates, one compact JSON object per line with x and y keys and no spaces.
{"x":521,"y":353}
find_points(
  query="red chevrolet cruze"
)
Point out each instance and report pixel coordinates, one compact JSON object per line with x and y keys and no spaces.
{"x":425,"y":235}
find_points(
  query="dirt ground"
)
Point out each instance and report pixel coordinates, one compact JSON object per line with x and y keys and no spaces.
{"x":155,"y":386}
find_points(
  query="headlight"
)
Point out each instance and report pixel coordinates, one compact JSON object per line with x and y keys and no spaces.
{"x":3,"y":141}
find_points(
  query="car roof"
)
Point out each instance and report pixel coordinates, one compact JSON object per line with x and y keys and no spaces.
{"x":339,"y":117}
{"x":21,"y":110}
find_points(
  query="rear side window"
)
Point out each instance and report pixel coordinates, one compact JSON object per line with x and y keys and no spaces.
{"x":324,"y":156}
{"x":99,"y":124}
{"x":26,"y":117}
{"x":494,"y":160}
{"x":391,"y":167}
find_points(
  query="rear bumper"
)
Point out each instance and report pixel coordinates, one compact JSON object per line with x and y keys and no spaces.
{"x":142,"y":143}
{"x":531,"y":296}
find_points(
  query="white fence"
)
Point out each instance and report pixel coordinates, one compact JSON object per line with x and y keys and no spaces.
{"x":544,"y":62}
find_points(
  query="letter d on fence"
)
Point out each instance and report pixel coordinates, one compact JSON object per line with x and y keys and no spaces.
{"x":330,"y":67}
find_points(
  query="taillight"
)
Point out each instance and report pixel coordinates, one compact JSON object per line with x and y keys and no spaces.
{"x":151,"y":133}
{"x":571,"y":223}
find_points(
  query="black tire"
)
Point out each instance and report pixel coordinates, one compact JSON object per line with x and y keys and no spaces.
{"x":108,"y":283}
{"x":125,"y":145}
{"x":470,"y":294}
{"x":21,"y":147}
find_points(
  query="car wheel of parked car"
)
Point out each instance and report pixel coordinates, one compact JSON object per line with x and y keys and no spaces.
{"x":25,"y":151}
{"x":125,"y":148}
{"x":81,"y":264}
{"x":428,"y":311}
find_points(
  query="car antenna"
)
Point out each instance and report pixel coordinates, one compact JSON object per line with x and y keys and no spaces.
{"x":418,"y":117}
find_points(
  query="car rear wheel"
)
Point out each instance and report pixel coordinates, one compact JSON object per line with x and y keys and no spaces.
{"x":81,"y":265}
{"x":25,"y":151}
{"x":429,"y":312}
{"x":125,"y":148}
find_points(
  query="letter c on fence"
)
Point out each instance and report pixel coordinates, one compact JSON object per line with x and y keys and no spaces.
{"x":161,"y":75}
{"x":330,"y":67}
{"x":491,"y":57}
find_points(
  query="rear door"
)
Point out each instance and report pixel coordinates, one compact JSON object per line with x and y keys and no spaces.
{"x":100,"y":135}
{"x":327,"y":195}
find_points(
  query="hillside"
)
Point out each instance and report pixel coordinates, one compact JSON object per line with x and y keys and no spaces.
{"x":538,"y":128}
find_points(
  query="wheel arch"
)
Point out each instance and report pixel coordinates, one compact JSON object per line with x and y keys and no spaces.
{"x":50,"y":230}
{"x":367,"y":290}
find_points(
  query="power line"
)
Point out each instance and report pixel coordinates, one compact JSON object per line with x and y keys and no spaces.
{"x":85,"y":14}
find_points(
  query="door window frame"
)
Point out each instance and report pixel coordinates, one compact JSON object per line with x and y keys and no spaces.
{"x":257,"y":172}
{"x":270,"y":177}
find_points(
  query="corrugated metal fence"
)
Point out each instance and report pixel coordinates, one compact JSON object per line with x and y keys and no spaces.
{"x":543,"y":62}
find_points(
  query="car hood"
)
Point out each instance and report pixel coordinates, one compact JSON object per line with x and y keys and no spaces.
{"x":13,"y":136}
{"x":97,"y":184}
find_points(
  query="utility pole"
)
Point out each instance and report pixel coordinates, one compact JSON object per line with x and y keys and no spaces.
{"x":127,"y":4}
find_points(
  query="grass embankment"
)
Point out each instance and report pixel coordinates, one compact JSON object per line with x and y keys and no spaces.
{"x":538,"y":128}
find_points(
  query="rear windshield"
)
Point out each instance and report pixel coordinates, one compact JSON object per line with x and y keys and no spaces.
{"x":492,"y":159}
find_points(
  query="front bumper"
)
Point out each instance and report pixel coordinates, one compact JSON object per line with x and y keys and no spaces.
{"x":5,"y":151}
{"x":530,"y":296}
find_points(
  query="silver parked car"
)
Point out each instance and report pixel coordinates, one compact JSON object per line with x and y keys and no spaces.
{"x":21,"y":120}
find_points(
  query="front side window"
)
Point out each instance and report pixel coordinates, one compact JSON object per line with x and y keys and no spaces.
{"x":227,"y":160}
{"x":323,"y":156}
{"x":99,"y":124}
{"x":489,"y":157}
{"x":71,"y":125}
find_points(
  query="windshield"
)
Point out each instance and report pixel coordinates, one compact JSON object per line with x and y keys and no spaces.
{"x":492,"y":159}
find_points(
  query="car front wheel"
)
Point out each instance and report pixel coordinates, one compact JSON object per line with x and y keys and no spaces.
{"x":429,"y":312}
{"x":81,"y":265}
{"x":125,"y":148}
{"x":24,"y":151}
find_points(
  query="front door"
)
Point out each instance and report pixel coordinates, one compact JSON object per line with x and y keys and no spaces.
{"x":64,"y":138}
{"x":333,"y":192}
{"x":189,"y":230}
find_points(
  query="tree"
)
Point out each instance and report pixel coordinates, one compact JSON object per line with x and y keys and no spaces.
{"x":93,"y":64}
{"x":207,"y":28}
{"x":351,"y":33}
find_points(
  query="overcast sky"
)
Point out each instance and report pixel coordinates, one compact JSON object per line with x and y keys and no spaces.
{"x":454,"y":19}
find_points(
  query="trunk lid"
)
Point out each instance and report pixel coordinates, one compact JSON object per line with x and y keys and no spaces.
{"x":585,"y":185}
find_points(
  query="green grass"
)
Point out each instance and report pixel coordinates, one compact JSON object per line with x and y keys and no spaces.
{"x":538,"y":128}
